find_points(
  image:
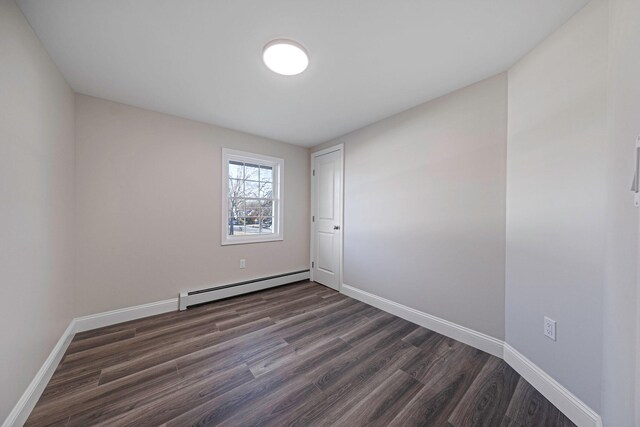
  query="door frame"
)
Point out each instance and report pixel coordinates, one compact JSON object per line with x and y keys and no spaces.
{"x":314,"y":154}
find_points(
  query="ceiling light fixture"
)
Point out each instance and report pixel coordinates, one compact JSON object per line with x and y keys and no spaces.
{"x":285,"y":57}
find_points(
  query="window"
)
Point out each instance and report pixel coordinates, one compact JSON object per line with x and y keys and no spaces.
{"x":251,"y":197}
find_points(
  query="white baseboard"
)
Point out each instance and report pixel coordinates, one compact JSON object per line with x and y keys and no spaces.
{"x":468,"y":336}
{"x":20,"y":412}
{"x":570,"y":405}
{"x":575,"y":409}
{"x":108,"y":318}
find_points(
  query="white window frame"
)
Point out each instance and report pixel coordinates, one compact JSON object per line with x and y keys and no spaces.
{"x":278,"y":171}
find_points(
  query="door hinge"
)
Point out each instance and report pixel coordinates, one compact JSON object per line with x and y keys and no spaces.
{"x":313,"y":264}
{"x":314,"y":172}
{"x":313,"y":218}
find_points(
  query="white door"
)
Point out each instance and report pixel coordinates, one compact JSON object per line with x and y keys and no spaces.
{"x":327,"y":217}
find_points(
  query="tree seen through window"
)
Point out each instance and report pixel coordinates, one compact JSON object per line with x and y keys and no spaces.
{"x":250,"y":195}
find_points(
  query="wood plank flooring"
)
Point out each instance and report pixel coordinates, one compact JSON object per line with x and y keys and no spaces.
{"x":297,"y":355}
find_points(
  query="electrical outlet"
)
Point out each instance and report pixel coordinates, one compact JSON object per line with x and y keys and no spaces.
{"x":550,"y":328}
{"x":243,"y":263}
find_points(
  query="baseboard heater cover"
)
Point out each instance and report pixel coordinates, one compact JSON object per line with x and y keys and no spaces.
{"x":202,"y":296}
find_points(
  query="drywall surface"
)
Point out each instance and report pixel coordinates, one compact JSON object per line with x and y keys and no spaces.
{"x":620,"y":293}
{"x":556,"y":201}
{"x":425,"y":207}
{"x":149,"y":205}
{"x":36,"y":204}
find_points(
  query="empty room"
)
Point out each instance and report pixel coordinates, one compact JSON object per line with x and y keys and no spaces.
{"x":320,"y":213}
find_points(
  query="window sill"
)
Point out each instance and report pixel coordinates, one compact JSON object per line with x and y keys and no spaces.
{"x":249,"y":239}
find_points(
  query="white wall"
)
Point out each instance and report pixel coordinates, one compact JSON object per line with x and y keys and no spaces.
{"x":148,"y":206}
{"x":36,"y":205}
{"x":556,"y":201}
{"x":620,"y":294}
{"x":425,"y":207}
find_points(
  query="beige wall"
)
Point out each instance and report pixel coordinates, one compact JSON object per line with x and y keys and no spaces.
{"x":425,"y":207}
{"x":556,"y":201}
{"x":148,"y":207}
{"x":36,"y":205}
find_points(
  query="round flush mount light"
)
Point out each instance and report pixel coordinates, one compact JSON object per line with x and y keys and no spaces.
{"x":285,"y":57}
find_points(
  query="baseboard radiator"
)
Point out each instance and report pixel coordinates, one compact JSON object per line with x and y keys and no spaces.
{"x":202,"y":296}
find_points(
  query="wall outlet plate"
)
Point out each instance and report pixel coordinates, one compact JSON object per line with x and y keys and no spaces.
{"x":550,"y":328}
{"x":243,"y":263}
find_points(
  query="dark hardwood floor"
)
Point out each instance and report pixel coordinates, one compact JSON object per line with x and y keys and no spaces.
{"x":297,"y":355}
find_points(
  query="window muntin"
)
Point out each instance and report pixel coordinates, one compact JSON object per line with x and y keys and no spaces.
{"x":251,"y":197}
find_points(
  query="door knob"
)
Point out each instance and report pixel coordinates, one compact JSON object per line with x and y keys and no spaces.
{"x":336,"y":227}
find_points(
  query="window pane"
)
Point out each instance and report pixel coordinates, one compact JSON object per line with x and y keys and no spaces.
{"x":267,"y":210}
{"x":252,"y":220}
{"x":235,"y":188}
{"x":236,"y":205}
{"x":266,"y":174}
{"x":266,"y":190}
{"x":267,"y":225}
{"x":251,"y":189}
{"x":251,"y":172}
{"x":253,"y":205}
{"x":236,"y":227}
{"x":253,"y":212}
{"x":235,"y":169}
{"x":253,"y":225}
